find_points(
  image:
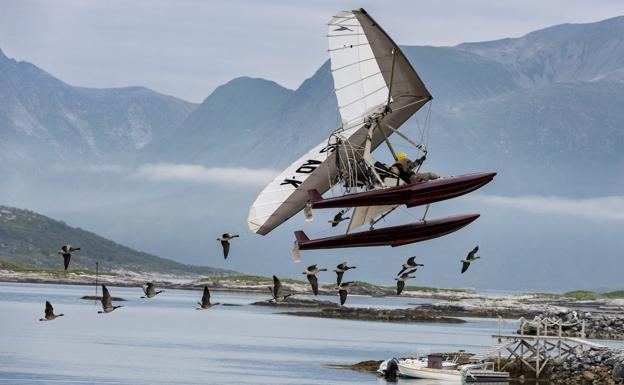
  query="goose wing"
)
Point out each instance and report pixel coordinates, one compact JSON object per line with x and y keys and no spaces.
{"x":472,"y":253}
{"x":150,"y":290}
{"x":411,"y":261}
{"x":226,"y":248}
{"x":339,"y":275}
{"x":277,"y":287}
{"x":106,"y":298}
{"x":49,"y":310}
{"x":465,"y":267}
{"x":314,"y":283}
{"x":343,"y":296}
{"x":400,"y":287}
{"x":206,"y":297}
{"x":66,"y":259}
{"x":311,"y":268}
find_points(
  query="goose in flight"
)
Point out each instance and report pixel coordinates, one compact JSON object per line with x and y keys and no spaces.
{"x":339,"y":218}
{"x":276,"y":291}
{"x":66,"y":251}
{"x":107,"y":305}
{"x":342,"y":291}
{"x":225,"y":239}
{"x":311,"y":275}
{"x":150,"y":290}
{"x":401,"y":280}
{"x":471,"y":257}
{"x":205,"y":301}
{"x":49,"y":313}
{"x":340,"y":270}
{"x":410,"y":264}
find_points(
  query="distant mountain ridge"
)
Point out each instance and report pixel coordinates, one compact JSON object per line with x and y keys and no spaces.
{"x":540,"y":106}
{"x":543,"y":110}
{"x":42,"y":117}
{"x":33,"y":239}
{"x":562,"y":53}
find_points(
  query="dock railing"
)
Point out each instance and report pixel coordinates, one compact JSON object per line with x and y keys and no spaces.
{"x":535,"y":351}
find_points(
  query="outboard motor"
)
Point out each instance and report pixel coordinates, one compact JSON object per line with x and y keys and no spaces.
{"x":391,"y":372}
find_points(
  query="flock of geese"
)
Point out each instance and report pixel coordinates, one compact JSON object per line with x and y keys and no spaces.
{"x":107,"y":302}
{"x":277,"y":294}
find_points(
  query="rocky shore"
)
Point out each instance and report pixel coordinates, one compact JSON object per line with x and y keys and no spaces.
{"x":592,"y":367}
{"x":371,"y":314}
{"x":444,"y":304}
{"x":596,"y":367}
{"x":291,"y":302}
{"x":485,"y":310}
{"x":574,"y":323}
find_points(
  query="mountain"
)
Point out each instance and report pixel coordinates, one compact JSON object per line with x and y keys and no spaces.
{"x":562,"y":53}
{"x":252,"y":122}
{"x":540,"y":109}
{"x":33,"y":239}
{"x":230,"y":118}
{"x":543,"y":110}
{"x":42,"y":117}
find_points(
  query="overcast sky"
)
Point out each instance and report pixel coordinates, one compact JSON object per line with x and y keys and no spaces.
{"x":186,"y":48}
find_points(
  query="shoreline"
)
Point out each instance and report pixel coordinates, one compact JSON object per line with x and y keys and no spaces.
{"x":440,"y":303}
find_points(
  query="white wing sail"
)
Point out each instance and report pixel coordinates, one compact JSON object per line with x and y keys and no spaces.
{"x":365,"y":215}
{"x":369,"y":70}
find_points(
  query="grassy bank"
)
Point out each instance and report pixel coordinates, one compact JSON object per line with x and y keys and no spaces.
{"x":251,"y":279}
{"x":21,"y":268}
{"x":593,"y":295}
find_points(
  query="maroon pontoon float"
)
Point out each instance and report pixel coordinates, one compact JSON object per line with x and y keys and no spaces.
{"x":414,"y":194}
{"x":388,"y":236}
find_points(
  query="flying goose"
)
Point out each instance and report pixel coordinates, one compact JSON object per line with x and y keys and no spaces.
{"x":338,"y":218}
{"x":66,"y":251}
{"x":471,"y":257}
{"x":150,"y":290}
{"x":340,"y":269}
{"x":107,"y":305}
{"x":225,"y":239}
{"x":49,"y":313}
{"x":401,"y":280}
{"x":276,"y":291}
{"x":410,"y":264}
{"x":311,"y":275}
{"x":205,"y":301}
{"x":342,"y":291}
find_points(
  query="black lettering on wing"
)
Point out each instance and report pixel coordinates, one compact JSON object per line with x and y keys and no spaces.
{"x":309,"y":166}
{"x":294,"y":182}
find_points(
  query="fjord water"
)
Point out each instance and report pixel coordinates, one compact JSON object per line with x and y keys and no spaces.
{"x":165,"y":341}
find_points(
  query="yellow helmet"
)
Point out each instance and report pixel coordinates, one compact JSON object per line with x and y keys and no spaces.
{"x":401,"y":155}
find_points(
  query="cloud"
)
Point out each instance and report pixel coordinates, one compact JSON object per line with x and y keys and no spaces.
{"x":208,"y":175}
{"x":601,"y":208}
{"x":104,"y":168}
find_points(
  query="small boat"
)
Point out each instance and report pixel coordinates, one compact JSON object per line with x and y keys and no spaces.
{"x":418,"y":371}
{"x":435,"y":368}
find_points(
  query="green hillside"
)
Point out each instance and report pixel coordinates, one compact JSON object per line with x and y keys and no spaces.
{"x":31,"y":239}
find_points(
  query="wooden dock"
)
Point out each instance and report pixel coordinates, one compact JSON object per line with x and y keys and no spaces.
{"x":535,"y":351}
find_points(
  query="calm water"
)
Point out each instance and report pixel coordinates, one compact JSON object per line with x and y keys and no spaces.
{"x":165,"y":341}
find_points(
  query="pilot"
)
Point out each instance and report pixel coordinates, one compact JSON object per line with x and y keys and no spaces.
{"x":404,"y":168}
